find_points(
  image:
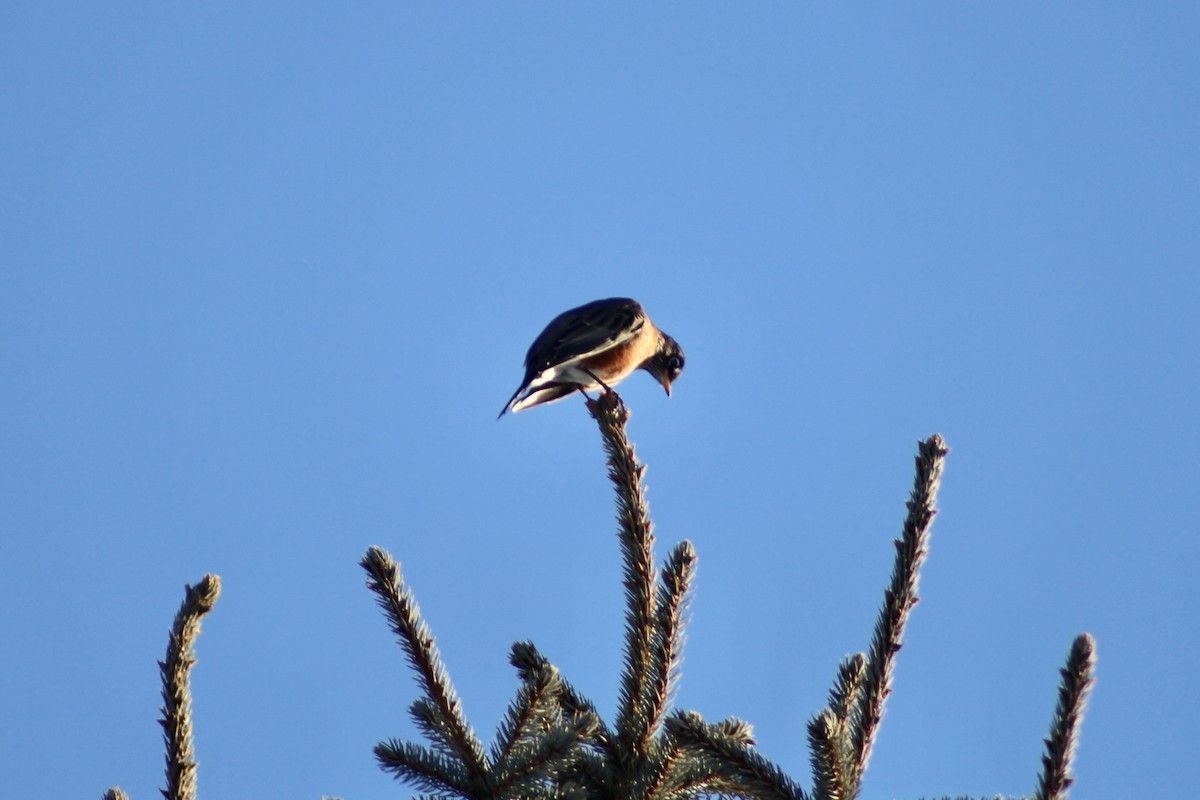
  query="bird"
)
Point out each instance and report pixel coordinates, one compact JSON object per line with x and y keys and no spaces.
{"x":595,"y":346}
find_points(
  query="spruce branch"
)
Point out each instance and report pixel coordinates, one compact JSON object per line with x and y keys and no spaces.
{"x":828,"y":740}
{"x":115,"y":793}
{"x":538,"y":762}
{"x":590,"y":772}
{"x":426,"y":769}
{"x":843,"y":697}
{"x":671,"y":770}
{"x":428,"y":718}
{"x":670,"y":620}
{"x":1077,"y":680}
{"x":404,"y":618}
{"x":743,"y":770}
{"x":636,"y":535}
{"x":734,"y":730}
{"x":534,"y":710}
{"x":528,"y":661}
{"x":685,"y":773}
{"x":175,"y":670}
{"x":829,"y":733}
{"x":663,"y":777}
{"x":899,"y":600}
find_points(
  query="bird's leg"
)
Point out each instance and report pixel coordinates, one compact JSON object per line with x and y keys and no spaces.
{"x":607,"y":388}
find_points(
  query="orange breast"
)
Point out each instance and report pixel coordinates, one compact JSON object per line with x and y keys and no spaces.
{"x":616,"y":363}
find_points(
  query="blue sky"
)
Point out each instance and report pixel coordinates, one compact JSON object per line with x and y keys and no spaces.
{"x":269,"y":272}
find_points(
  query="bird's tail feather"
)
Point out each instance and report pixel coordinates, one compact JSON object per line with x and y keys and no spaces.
{"x":547,"y":393}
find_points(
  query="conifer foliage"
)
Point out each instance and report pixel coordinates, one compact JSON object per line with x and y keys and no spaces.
{"x":553,"y":745}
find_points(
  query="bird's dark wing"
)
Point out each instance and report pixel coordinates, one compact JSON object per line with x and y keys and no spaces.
{"x":585,"y":330}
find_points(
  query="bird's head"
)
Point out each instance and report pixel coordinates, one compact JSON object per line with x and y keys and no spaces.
{"x":667,"y":363}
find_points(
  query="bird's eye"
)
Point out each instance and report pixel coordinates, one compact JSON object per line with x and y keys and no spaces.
{"x":675,"y":364}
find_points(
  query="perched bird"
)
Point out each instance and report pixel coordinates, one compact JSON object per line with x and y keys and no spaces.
{"x":592,"y":347}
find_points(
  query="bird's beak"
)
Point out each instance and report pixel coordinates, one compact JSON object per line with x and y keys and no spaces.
{"x":666,"y":384}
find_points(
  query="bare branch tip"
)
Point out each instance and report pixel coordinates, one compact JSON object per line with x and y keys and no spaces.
{"x":203,"y":596}
{"x":936,"y":443}
{"x":1083,"y":649}
{"x":608,"y":408}
{"x":682,"y":558}
{"x":376,"y":558}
